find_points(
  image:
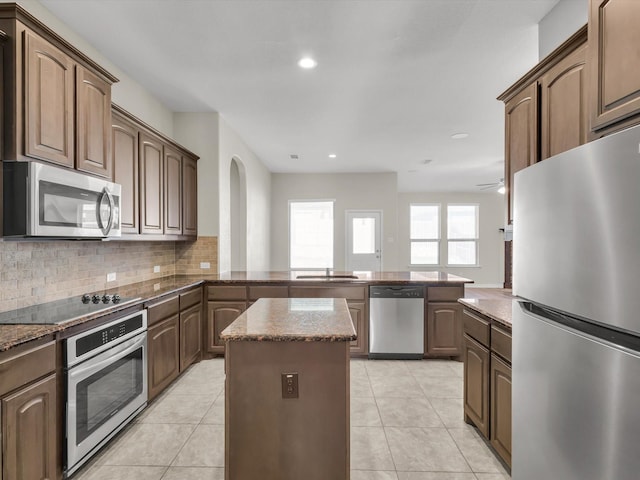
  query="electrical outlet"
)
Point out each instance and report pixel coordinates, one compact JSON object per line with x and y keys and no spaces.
{"x":156,"y":287}
{"x":289,"y":385}
{"x":111,"y":277}
{"x":205,"y":265}
{"x":156,"y":269}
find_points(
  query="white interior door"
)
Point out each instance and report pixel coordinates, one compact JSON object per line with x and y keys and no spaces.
{"x":364,"y":242}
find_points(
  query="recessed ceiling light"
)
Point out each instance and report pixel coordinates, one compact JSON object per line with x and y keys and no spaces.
{"x":427,"y":161}
{"x":332,"y":155}
{"x":307,"y":62}
{"x":458,"y":136}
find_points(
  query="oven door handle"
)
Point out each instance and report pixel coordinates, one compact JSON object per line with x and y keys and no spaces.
{"x":98,"y":362}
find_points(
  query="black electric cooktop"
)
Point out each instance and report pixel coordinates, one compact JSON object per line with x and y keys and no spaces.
{"x":66,"y":310}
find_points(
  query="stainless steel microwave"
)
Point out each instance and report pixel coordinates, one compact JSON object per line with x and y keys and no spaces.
{"x":45,"y":201}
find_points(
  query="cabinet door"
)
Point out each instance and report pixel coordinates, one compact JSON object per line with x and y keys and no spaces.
{"x":190,"y":335}
{"x":48,"y":102}
{"x":614,"y":61}
{"x":358,"y":317}
{"x":151,"y":185}
{"x":189,"y":196}
{"x":163,"y":345}
{"x":476,"y":384}
{"x":124,"y":144}
{"x":501,"y":408}
{"x":564,"y":105}
{"x":93,"y":124}
{"x":219,"y":316}
{"x":172,"y":192}
{"x":444,"y":329}
{"x":521,"y":137}
{"x":29,"y":438}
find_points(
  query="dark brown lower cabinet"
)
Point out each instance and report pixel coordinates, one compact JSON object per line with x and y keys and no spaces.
{"x":358,"y":317}
{"x":476,"y":384}
{"x":219,"y":316}
{"x":444,"y":329}
{"x":190,"y":335}
{"x":163,"y":345}
{"x":29,"y":435}
{"x":501,"y":407}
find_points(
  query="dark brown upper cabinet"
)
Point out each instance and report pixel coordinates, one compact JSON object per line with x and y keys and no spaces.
{"x":172,"y":191}
{"x":614,"y":63}
{"x":189,"y":196}
{"x":151,"y":184}
{"x":56,"y":100}
{"x":124,"y":144}
{"x":93,"y":124}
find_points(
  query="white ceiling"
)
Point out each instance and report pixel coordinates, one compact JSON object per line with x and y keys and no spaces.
{"x":395,"y":78}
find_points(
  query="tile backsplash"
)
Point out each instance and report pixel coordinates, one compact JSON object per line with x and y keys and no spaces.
{"x":38,"y":272}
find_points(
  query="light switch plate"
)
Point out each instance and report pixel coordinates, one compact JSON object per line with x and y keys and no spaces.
{"x":111,"y":277}
{"x":205,"y":265}
{"x":156,"y":269}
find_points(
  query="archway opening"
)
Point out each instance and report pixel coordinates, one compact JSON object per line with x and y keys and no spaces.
{"x":238,"y":212}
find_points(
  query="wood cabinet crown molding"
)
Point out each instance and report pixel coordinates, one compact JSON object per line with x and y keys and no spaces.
{"x":15,"y":11}
{"x":573,"y":42}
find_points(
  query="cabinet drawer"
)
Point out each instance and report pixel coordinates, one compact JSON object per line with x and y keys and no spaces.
{"x":190,"y":298}
{"x":268,"y":292}
{"x":163,"y":309}
{"x":235,"y":292}
{"x":476,"y":327}
{"x":501,"y":343}
{"x":26,"y":365}
{"x":350,"y":293}
{"x":444,"y":294}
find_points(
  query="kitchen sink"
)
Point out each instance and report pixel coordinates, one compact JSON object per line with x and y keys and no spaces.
{"x":327,"y":277}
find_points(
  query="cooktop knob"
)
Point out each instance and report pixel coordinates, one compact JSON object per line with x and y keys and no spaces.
{"x":106,"y":298}
{"x":115,"y":298}
{"x":95,"y":299}
{"x":86,"y":298}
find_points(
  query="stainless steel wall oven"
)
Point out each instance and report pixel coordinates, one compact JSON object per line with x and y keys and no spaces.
{"x":106,"y":383}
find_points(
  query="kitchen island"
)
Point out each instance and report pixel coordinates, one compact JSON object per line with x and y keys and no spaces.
{"x":287,"y":390}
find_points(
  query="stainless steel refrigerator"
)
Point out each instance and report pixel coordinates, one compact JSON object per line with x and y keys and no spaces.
{"x":576,"y":331}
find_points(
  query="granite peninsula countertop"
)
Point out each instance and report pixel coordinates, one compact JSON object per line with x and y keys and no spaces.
{"x":149,"y":291}
{"x":293,"y":320}
{"x":497,"y":307}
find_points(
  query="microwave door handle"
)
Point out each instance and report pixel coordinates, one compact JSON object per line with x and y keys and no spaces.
{"x":107,"y":229}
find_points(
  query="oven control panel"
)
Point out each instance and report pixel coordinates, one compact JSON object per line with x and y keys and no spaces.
{"x":100,"y":337}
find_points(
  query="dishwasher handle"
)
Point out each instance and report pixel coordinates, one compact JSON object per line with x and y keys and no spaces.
{"x":396,"y":291}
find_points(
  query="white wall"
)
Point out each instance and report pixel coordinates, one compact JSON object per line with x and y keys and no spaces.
{"x":560,"y":23}
{"x":127,"y":93}
{"x":351,"y":191}
{"x":258,"y":182}
{"x":199,"y":133}
{"x":490,"y":272}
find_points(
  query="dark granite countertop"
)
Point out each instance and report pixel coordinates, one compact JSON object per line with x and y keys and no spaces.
{"x":293,"y":320}
{"x":151,"y":290}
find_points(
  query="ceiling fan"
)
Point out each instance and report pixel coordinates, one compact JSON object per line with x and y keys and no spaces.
{"x":499,"y":185}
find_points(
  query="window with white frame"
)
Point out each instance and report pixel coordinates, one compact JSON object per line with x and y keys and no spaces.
{"x":310,"y":234}
{"x":462,"y":234}
{"x":425,"y":234}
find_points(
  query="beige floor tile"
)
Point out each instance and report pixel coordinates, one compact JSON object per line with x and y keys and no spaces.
{"x":476,"y":451}
{"x":372,"y":475}
{"x":215,"y":414}
{"x":121,"y":473}
{"x":364,"y":412}
{"x":450,"y":411}
{"x":386,"y":368}
{"x":492,"y":476}
{"x":442,"y":387}
{"x":361,"y":387}
{"x":194,"y":473}
{"x":369,"y":449}
{"x":176,"y":408}
{"x":149,"y":444}
{"x":424,"y":450}
{"x":458,"y":368}
{"x":207,"y":369}
{"x":434,"y":476}
{"x":407,"y":412}
{"x":198,"y":384}
{"x":357,"y":366}
{"x":396,"y":386}
{"x":430,"y":368}
{"x":205,"y":448}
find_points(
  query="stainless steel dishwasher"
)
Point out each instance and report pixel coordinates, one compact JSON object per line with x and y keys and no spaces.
{"x":396,"y":322}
